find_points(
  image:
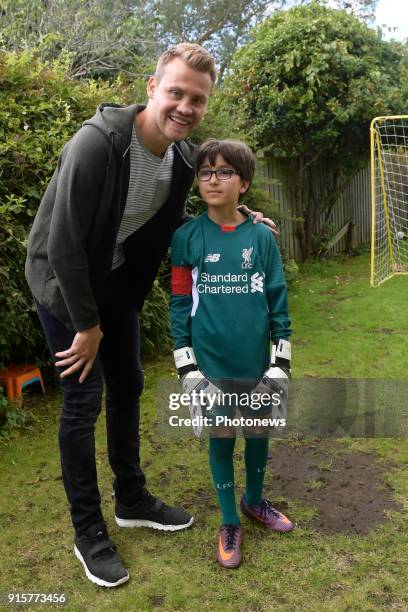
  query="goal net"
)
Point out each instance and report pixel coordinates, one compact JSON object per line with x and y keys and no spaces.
{"x":389,"y":185}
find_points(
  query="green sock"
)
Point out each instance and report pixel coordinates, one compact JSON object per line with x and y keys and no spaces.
{"x":256,"y":458}
{"x":221,"y":451}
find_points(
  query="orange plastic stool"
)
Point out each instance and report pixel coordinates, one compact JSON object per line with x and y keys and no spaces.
{"x":16,"y":377}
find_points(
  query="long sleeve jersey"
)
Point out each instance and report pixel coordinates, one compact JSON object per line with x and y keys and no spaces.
{"x":229,"y":296}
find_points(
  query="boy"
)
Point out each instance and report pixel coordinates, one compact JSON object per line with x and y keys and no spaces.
{"x":229,"y":299}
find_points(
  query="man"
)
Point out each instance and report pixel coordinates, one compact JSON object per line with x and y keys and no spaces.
{"x":102,"y":229}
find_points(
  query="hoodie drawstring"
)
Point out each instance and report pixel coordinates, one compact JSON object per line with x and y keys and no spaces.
{"x":181,"y":153}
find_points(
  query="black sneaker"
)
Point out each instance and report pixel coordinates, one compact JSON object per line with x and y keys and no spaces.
{"x":97,"y":554}
{"x":150,"y":511}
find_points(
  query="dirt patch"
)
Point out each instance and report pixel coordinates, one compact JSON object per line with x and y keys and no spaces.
{"x":157,"y":601}
{"x":348,"y":489}
{"x":203,"y":498}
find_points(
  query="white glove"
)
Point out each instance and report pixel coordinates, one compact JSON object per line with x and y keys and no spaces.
{"x":275,"y":381}
{"x":196,"y":385}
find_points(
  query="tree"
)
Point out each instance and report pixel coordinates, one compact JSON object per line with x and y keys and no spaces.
{"x":100,"y":38}
{"x":307,"y":86}
{"x":220,"y":25}
{"x":363,"y":9}
{"x":105,"y":37}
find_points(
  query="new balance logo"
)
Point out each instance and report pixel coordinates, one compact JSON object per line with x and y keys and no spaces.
{"x":257,"y":283}
{"x":212,"y":258}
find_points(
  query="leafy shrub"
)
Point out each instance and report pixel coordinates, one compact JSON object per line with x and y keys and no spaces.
{"x":154,"y":322}
{"x":19,"y":336}
{"x":322,"y":238}
{"x":11,"y":416}
{"x":3,"y":404}
{"x":291,"y":269}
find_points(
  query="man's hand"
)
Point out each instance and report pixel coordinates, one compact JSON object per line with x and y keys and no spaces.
{"x":82,"y":353}
{"x":257,"y":217}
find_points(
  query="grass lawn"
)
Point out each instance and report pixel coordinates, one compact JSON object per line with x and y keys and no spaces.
{"x":342,"y":328}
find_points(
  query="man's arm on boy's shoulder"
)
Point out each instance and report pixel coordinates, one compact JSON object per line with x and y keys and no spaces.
{"x":257,"y":217}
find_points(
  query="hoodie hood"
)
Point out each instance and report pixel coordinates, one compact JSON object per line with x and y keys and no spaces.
{"x":116,"y":123}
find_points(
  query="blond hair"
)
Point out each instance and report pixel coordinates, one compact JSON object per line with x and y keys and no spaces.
{"x":195,"y":56}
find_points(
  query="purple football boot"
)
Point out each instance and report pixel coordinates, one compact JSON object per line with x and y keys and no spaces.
{"x":228,"y":546}
{"x":266,"y":514}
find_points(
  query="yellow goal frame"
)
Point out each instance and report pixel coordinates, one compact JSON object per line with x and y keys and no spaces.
{"x":375,"y":148}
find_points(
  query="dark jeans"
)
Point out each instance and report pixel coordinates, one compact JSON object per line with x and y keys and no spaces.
{"x":118,"y":363}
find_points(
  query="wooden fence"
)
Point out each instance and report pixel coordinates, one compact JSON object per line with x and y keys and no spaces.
{"x":354,"y":205}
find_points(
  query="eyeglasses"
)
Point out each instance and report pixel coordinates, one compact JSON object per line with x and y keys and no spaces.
{"x":222,"y":174}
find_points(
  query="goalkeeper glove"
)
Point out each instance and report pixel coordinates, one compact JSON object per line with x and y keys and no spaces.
{"x":193,"y":382}
{"x":276,"y":378}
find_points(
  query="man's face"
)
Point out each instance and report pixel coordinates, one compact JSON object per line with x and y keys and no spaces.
{"x":178,"y":102}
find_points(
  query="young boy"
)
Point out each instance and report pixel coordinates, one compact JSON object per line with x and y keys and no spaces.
{"x":229,"y":299}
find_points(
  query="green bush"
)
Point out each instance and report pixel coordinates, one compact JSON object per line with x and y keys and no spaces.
{"x":19,"y":336}
{"x":322,"y":239}
{"x":12,"y":416}
{"x":154,"y":323}
{"x":3,"y":404}
{"x":291,"y":269}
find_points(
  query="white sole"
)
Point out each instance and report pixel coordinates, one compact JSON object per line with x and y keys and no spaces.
{"x":144,"y":523}
{"x":95,"y":579}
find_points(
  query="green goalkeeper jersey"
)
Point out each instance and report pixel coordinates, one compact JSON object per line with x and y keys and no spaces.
{"x":229,"y":296}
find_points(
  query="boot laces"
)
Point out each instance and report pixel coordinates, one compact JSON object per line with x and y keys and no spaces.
{"x":231,"y":536}
{"x":267,"y":508}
